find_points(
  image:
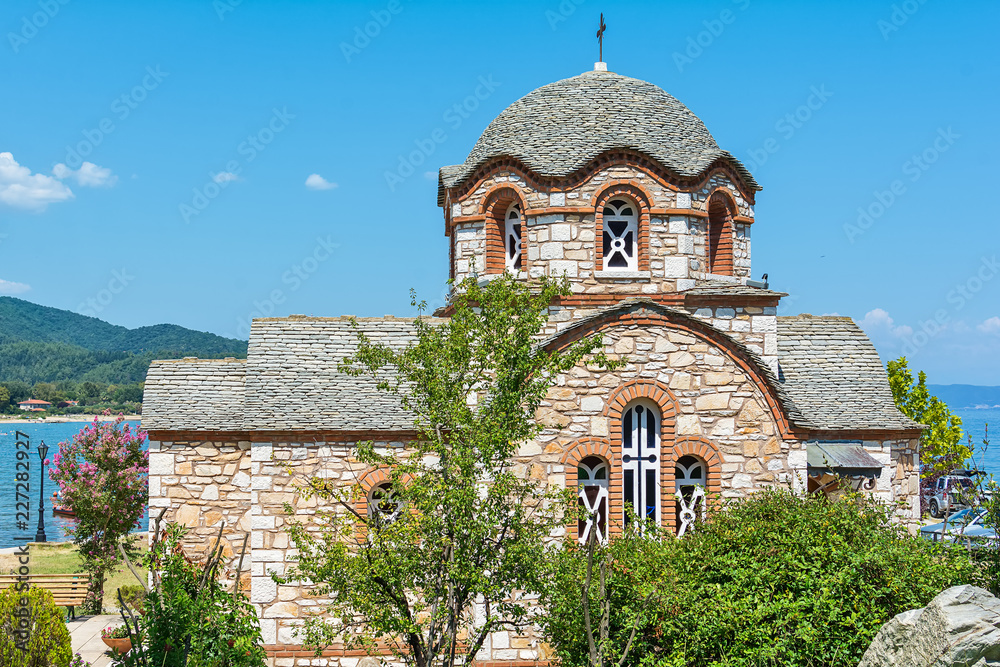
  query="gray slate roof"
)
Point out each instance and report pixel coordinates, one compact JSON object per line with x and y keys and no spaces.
{"x":834,"y":375}
{"x":293,"y":382}
{"x":831,"y":378}
{"x":556,"y":129}
{"x":194,"y":395}
{"x":721,"y":288}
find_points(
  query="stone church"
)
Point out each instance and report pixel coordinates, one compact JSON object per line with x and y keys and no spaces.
{"x":614,"y":183}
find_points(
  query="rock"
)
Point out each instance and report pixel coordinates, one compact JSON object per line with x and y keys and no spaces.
{"x":960,"y":627}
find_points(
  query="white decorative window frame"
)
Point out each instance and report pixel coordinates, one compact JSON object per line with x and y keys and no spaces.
{"x":594,"y":498}
{"x":641,"y":455}
{"x":513,"y":230}
{"x":620,"y":241}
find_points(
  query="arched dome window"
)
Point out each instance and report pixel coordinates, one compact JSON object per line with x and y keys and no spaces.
{"x":621,"y":235}
{"x":512,"y":238}
{"x":592,"y":475}
{"x":641,"y":460}
{"x":720,"y":237}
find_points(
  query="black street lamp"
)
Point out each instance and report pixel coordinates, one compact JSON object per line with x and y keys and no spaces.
{"x":40,"y":535}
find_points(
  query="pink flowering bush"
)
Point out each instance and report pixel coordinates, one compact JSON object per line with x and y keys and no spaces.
{"x":102,"y":477}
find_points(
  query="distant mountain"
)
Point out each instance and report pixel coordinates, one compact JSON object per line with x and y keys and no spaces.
{"x":966,"y":396}
{"x":42,"y":344}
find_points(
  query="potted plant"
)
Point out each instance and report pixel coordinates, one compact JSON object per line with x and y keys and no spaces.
{"x":116,"y":637}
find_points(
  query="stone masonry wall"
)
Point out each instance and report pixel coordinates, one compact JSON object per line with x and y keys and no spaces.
{"x":204,"y":484}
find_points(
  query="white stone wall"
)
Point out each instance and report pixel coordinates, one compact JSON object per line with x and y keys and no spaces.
{"x":755,"y":327}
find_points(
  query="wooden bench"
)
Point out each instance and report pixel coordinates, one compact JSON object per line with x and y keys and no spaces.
{"x":69,"y":590}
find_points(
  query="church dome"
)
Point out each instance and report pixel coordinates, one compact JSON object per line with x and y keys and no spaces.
{"x":558,"y":128}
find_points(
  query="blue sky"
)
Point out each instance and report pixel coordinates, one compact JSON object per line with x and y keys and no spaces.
{"x":237,"y":151}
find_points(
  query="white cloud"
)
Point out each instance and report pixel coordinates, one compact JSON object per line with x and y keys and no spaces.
{"x":8,"y":287}
{"x":89,"y":175}
{"x":317,"y":182}
{"x":226,"y":177}
{"x":879,"y":321}
{"x":990,"y":326}
{"x":431,"y":175}
{"x":22,"y":189}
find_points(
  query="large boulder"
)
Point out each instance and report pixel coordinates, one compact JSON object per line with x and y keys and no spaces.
{"x":959,"y":628}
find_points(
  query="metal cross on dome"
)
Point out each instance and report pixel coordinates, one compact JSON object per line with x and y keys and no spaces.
{"x":600,"y":38}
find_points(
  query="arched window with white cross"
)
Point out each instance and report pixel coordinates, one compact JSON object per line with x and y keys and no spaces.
{"x":641,"y":461}
{"x":512,"y":239}
{"x":383,"y":505}
{"x":620,"y":221}
{"x":690,"y":475}
{"x":592,"y":475}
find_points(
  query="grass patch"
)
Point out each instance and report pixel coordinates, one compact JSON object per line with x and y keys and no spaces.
{"x":62,"y":558}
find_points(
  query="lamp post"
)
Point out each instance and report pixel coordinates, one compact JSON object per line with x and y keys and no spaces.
{"x":40,"y":535}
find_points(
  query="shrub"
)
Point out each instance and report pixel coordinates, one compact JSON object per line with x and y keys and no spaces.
{"x":48,"y":639}
{"x":191,"y":618}
{"x":777,"y":579}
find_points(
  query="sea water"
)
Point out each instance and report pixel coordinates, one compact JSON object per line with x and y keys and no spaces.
{"x":52,"y":434}
{"x":974,"y":422}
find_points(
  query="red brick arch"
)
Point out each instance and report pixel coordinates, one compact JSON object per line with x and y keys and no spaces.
{"x":366,"y":483}
{"x":636,"y":192}
{"x":494,"y":206}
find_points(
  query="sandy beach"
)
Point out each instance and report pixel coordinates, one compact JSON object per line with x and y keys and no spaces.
{"x":61,"y":419}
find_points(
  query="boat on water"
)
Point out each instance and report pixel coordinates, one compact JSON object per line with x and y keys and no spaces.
{"x":59,"y":509}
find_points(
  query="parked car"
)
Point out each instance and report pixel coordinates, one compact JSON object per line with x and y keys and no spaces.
{"x":966,"y":523}
{"x":950,"y":494}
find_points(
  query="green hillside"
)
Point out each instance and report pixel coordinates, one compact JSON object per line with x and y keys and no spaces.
{"x":25,"y":321}
{"x":42,"y":344}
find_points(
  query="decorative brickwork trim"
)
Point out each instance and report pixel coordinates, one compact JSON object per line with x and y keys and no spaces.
{"x":367,"y":482}
{"x":618,"y":157}
{"x":494,"y":207}
{"x":585,"y":447}
{"x":618,"y":400}
{"x":706,"y":450}
{"x":729,"y":301}
{"x":721,"y":209}
{"x":635,"y":191}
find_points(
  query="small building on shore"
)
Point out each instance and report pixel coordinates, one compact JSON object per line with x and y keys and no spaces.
{"x":616,"y":185}
{"x":34,"y":405}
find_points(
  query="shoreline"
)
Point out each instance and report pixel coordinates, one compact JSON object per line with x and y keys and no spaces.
{"x":63,"y":419}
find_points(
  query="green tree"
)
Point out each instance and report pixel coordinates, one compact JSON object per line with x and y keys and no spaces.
{"x":90,"y":392}
{"x":941,"y":448}
{"x":102,"y":477}
{"x":128,"y":393}
{"x":19,"y":391}
{"x":44,"y":391}
{"x":460,"y":524}
{"x":4,"y":397}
